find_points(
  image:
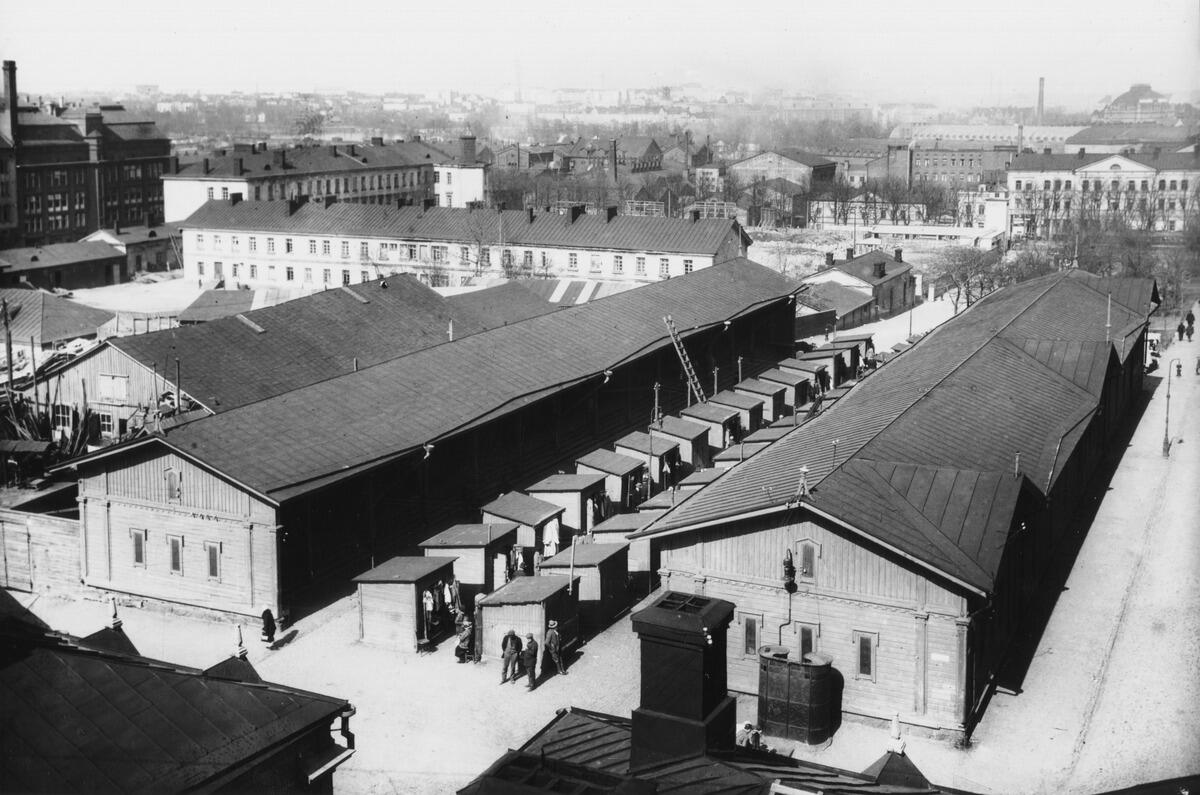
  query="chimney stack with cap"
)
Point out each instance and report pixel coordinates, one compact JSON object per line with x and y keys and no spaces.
{"x":10,"y":99}
{"x":204,"y":166}
{"x":899,"y":255}
{"x":880,"y":269}
{"x":685,"y":708}
{"x":574,"y":212}
{"x":849,"y":252}
{"x":828,"y":259}
{"x":609,"y":214}
{"x":468,"y":150}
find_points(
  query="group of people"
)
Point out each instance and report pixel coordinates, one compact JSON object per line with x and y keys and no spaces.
{"x":1186,"y":329}
{"x":514,"y":653}
{"x":440,"y":603}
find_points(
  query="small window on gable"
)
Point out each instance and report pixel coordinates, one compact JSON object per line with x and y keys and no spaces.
{"x":174,"y":484}
{"x":212,"y":555}
{"x":175,"y":554}
{"x":751,"y":624}
{"x":864,"y":655}
{"x":808,"y":634}
{"x":138,"y":538}
{"x":808,"y":552}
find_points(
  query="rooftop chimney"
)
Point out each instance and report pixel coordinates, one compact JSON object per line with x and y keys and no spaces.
{"x":529,"y":212}
{"x":1041,"y":99}
{"x":427,"y":204}
{"x":695,"y":216}
{"x":468,"y":149}
{"x":850,"y":252}
{"x":1046,"y":151}
{"x":91,"y":121}
{"x":685,"y":708}
{"x":1082,"y":152}
{"x":10,"y":98}
{"x":237,"y":167}
{"x":296,"y":202}
{"x":610,"y":213}
{"x":829,"y":259}
{"x":376,"y":140}
{"x":574,"y":212}
{"x":880,"y":269}
{"x":899,"y":255}
{"x":613,"y":142}
{"x":235,"y":199}
{"x":333,"y":150}
{"x":204,"y":165}
{"x":173,"y":165}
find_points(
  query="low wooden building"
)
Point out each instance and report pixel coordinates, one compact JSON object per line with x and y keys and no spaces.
{"x":484,"y":553}
{"x":769,"y":393}
{"x":851,"y":351}
{"x":797,"y":387}
{"x":816,"y":372}
{"x":700,"y":478}
{"x":66,"y":266}
{"x":750,"y":410}
{"x":662,"y":455}
{"x":582,"y":498}
{"x":536,"y":521}
{"x":737,"y":453}
{"x":390,"y":602}
{"x":723,"y":423}
{"x":603,"y":574}
{"x":864,"y":340}
{"x":529,"y":604}
{"x":835,"y":361}
{"x":692,"y":438}
{"x":621,"y":473}
{"x":915,"y":547}
{"x":617,"y":529}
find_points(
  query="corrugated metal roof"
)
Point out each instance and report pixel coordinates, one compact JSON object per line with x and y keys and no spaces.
{"x":962,"y":403}
{"x":510,"y":228}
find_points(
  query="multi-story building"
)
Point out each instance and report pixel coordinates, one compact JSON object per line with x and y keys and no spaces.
{"x":960,"y":163}
{"x":1052,"y":194}
{"x":1139,"y":104}
{"x":1020,"y":135}
{"x":374,"y":173}
{"x":1131,"y":138}
{"x":461,"y":180}
{"x":794,"y":165}
{"x":72,"y":171}
{"x":260,"y":244}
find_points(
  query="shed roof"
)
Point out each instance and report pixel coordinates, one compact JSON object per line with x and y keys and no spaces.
{"x":925,"y":452}
{"x":522,"y":508}
{"x":783,"y":377}
{"x":566,"y":482}
{"x":403,"y":569}
{"x":807,"y":366}
{"x":585,"y":555}
{"x":56,"y":255}
{"x":710,"y":412}
{"x":525,"y":590}
{"x":727,"y":397}
{"x":627,"y":522}
{"x":760,"y":387}
{"x":46,"y":318}
{"x":471,"y":535}
{"x":679,"y":428}
{"x":610,"y":462}
{"x":643,"y":442}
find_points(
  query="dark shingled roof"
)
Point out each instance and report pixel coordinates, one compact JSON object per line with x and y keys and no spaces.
{"x":842,"y":299}
{"x":926,"y":450}
{"x":48,"y":319}
{"x":1167,"y":161}
{"x":311,"y":160}
{"x":679,"y":428}
{"x":56,"y":255}
{"x":405,"y":569}
{"x":506,"y":303}
{"x":461,"y":226}
{"x":863,"y":267}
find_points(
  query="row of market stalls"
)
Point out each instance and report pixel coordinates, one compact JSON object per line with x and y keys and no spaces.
{"x":560,"y":550}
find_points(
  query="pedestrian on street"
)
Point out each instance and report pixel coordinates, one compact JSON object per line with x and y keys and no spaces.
{"x":268,"y":626}
{"x":1191,"y":318}
{"x":553,"y":647}
{"x":1190,"y":329}
{"x":529,"y":659}
{"x":465,"y":636}
{"x":510,"y":650}
{"x":1180,"y":329}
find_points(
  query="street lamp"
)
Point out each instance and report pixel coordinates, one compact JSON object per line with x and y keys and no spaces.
{"x":1167,"y":418}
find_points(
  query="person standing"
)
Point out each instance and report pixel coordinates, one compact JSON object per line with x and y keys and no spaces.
{"x":268,"y":626}
{"x":463,"y":650}
{"x":529,"y":659}
{"x":554,"y":647}
{"x":1180,"y":329}
{"x":510,"y":650}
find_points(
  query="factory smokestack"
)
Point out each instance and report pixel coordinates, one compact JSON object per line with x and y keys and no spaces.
{"x":1041,"y":100}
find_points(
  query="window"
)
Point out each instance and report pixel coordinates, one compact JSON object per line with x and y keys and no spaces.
{"x":175,"y":543}
{"x":345,"y":277}
{"x":618,"y":264}
{"x":312,"y":247}
{"x":289,"y":273}
{"x":200,"y":268}
{"x":224,"y":193}
{"x":345,"y":249}
{"x":1132,"y":185}
{"x":217,"y":242}
{"x":464,"y":254}
{"x":449,"y":177}
{"x":138,"y":537}
{"x":234,"y":243}
{"x":750,"y":626}
{"x":411,"y":251}
{"x":253,"y":271}
{"x":807,"y":634}
{"x":383,"y":251}
{"x":210,"y":193}
{"x":594,"y":266}
{"x":325,"y":276}
{"x":1046,"y":185}
{"x":270,"y":245}
{"x":325,"y":248}
{"x":1067,"y":184}
{"x":364,"y":250}
{"x":808,"y":551}
{"x":199,"y":241}
{"x":1162,"y":184}
{"x":485,"y":257}
{"x":864,"y":655}
{"x":664,"y":267}
{"x":63,"y":416}
{"x":106,"y":423}
{"x":308,"y":275}
{"x":114,"y":388}
{"x":1085,"y":186}
{"x":640,"y":266}
{"x":1018,"y":185}
{"x":439,"y":253}
{"x":1183,"y":185}
{"x":527,"y":260}
{"x":687,"y":266}
{"x":363,"y":276}
{"x":573,"y":261}
{"x":212,"y":553}
{"x":235,"y":270}
{"x":271,"y":273}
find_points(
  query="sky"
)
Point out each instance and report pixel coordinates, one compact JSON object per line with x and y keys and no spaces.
{"x":945,"y":51}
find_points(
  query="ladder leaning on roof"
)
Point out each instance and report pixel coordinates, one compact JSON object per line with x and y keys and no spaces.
{"x":688,"y":370}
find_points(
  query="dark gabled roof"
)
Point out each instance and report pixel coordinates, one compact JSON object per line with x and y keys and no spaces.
{"x":782,"y":377}
{"x":610,"y":462}
{"x":760,"y":387}
{"x":1149,"y":132}
{"x":522,"y":508}
{"x":313,"y":436}
{"x":584,"y":555}
{"x":727,"y":397}
{"x":710,"y":412}
{"x":46,"y":318}
{"x":932,"y":444}
{"x":510,"y":302}
{"x":214,"y":304}
{"x":405,"y":569}
{"x":842,"y":299}
{"x":1138,"y":92}
{"x":227,"y":363}
{"x":311,"y":160}
{"x":679,"y":428}
{"x":81,"y":719}
{"x":863,"y":267}
{"x":799,"y":155}
{"x":56,"y":255}
{"x":470,"y":535}
{"x":643,"y":442}
{"x":1166,"y":161}
{"x":527,"y":590}
{"x":626,"y":522}
{"x":467,"y":227}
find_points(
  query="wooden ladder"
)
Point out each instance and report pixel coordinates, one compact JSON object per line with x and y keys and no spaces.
{"x":688,"y":370}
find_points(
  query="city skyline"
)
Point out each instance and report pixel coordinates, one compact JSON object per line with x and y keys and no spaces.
{"x":933,"y":52}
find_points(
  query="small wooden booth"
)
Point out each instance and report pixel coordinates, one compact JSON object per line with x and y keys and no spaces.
{"x":603,"y":576}
{"x":582,"y":498}
{"x":722,"y":422}
{"x":484,"y":553}
{"x":796,"y":386}
{"x":692,"y":438}
{"x":770,"y":433}
{"x":664,"y":500}
{"x":864,"y":340}
{"x":536,"y":521}
{"x":750,"y":410}
{"x":528,"y":604}
{"x":621,"y":475}
{"x":737,"y":453}
{"x":661,"y":454}
{"x":617,"y":529}
{"x":835,"y":361}
{"x":391,"y":611}
{"x":699,"y":479}
{"x":851,"y":354}
{"x":816,"y":372}
{"x":768,"y":393}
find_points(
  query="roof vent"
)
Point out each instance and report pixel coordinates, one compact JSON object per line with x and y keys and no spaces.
{"x":362,"y":299}
{"x":257,"y":329}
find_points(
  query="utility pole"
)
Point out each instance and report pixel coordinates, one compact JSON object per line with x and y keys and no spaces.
{"x":739,"y":369}
{"x":715,"y":387}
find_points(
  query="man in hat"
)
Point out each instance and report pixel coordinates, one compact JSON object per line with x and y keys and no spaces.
{"x":529,"y":659}
{"x":553,"y":647}
{"x":465,"y":635}
{"x":510,"y":649}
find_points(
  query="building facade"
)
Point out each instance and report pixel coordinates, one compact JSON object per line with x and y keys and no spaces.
{"x":795,"y":165}
{"x":284,"y":242}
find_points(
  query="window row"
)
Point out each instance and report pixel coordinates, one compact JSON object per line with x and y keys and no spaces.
{"x":1098,"y":185}
{"x":240,"y":270}
{"x":863,"y":645}
{"x":173,"y":553}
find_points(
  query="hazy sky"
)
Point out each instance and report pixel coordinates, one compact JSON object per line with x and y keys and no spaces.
{"x":947,"y":51}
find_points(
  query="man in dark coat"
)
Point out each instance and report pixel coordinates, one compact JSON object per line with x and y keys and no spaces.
{"x":268,"y":626}
{"x":510,"y":650}
{"x":554,"y":646}
{"x":529,"y":659}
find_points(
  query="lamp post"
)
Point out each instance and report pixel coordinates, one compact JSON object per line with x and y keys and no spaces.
{"x":1166,"y":450}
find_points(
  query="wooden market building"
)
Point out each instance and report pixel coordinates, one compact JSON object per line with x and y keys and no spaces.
{"x":483,"y":552}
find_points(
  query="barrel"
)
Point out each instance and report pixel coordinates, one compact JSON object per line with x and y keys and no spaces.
{"x":795,"y":698}
{"x":773,"y":690}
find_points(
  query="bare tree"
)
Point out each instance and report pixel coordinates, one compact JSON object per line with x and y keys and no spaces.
{"x":969,"y":271}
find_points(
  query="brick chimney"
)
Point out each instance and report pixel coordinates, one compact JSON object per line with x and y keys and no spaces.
{"x":574,"y":212}
{"x":880,"y":269}
{"x":850,"y":252}
{"x":899,"y":255}
{"x":685,"y":708}
{"x":204,"y":166}
{"x":238,"y":170}
{"x":828,"y":259}
{"x":529,"y":212}
{"x":468,"y":149}
{"x":235,"y":199}
{"x":10,"y":99}
{"x":610,"y":213}
{"x":613,"y":142}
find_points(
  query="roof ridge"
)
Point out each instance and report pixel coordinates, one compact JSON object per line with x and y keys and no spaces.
{"x":1020,"y":349}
